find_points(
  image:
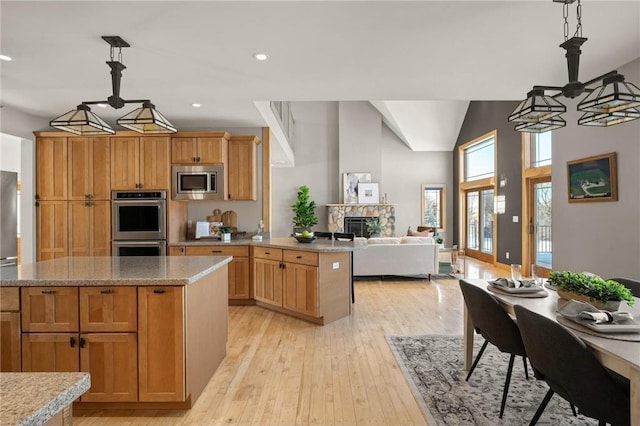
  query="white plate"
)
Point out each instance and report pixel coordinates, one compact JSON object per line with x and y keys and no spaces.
{"x":516,"y":290}
{"x":628,"y":326}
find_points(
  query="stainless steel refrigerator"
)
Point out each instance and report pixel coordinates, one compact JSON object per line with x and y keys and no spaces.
{"x":8,"y":218}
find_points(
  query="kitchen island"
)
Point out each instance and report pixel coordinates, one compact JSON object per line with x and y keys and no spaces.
{"x":150,"y":330}
{"x":312,"y":281}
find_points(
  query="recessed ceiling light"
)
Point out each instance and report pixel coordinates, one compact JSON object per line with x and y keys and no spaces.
{"x":261,"y":56}
{"x":196,"y":105}
{"x":5,"y":58}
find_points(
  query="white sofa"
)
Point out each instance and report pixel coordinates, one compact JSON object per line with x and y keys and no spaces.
{"x":397,"y":256}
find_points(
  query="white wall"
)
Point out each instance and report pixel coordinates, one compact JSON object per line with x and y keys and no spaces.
{"x":360,"y":139}
{"x":600,"y":237}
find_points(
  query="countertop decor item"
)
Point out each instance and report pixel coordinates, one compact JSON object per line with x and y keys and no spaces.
{"x":302,"y":239}
{"x":603,"y":294}
{"x":304,"y":209}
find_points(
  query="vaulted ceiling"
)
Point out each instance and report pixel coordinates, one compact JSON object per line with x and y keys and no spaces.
{"x":419,"y":62}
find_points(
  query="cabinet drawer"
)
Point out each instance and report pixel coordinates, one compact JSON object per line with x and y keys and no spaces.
{"x":215,"y":250}
{"x":108,"y":309}
{"x":9,"y":299}
{"x":267,"y":253}
{"x":49,"y":309}
{"x":301,"y":257}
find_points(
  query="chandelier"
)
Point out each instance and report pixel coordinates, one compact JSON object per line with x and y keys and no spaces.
{"x":146,"y":119}
{"x":611,"y":103}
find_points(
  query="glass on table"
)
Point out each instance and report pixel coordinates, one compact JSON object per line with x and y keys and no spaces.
{"x":516,"y":271}
{"x":537,"y":274}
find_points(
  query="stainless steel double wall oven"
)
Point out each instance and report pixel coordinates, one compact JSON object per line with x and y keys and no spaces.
{"x":139,"y":223}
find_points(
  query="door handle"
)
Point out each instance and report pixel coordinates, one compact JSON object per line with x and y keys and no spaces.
{"x":158,"y":291}
{"x":106,"y":291}
{"x":47,"y":291}
{"x":83,"y":342}
{"x":216,"y":251}
{"x":298,"y":257}
{"x":72,"y":342}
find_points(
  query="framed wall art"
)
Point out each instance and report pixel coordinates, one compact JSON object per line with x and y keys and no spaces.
{"x":368,"y":193}
{"x":593,"y":179}
{"x":350,"y":182}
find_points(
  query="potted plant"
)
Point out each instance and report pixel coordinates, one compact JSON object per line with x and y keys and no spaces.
{"x":304,"y":211}
{"x":438,"y":238}
{"x":226,"y":233}
{"x":374,"y":227}
{"x":603,"y":294}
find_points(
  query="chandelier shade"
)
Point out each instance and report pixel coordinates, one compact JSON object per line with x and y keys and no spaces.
{"x":542,"y":126}
{"x":81,"y":121}
{"x":537,"y":107}
{"x":615,"y":94}
{"x":146,"y":119}
{"x":606,"y":119}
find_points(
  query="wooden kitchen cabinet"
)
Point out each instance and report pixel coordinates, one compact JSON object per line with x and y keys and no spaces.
{"x":10,"y":329}
{"x":49,"y":309}
{"x":89,"y":168}
{"x":112,"y":361}
{"x":108,"y":309}
{"x":238,"y":278}
{"x":300,"y":289}
{"x":140,"y":163}
{"x":89,"y":228}
{"x":57,"y":352}
{"x":242,"y":168}
{"x":51,"y":168}
{"x":161,"y":347}
{"x":200,"y":150}
{"x":51,"y":229}
{"x":267,"y":275}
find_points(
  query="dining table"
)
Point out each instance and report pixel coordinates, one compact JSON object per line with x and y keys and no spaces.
{"x":621,"y":356}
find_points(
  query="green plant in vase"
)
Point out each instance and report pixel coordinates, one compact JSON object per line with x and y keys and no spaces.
{"x":374,"y":227}
{"x":590,"y":288}
{"x":304,"y":211}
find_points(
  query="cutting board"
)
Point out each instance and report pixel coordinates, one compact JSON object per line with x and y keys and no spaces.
{"x":230,"y":218}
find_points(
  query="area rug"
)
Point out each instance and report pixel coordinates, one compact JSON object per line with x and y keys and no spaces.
{"x":433,"y":366}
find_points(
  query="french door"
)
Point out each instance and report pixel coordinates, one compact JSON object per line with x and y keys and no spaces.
{"x":540,"y":225}
{"x":479,"y":223}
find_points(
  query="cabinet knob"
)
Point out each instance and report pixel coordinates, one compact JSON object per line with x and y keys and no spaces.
{"x":106,"y":291}
{"x":194,"y":159}
{"x":87,"y":204}
{"x":86,"y":196}
{"x":216,"y":251}
{"x":198,"y":159}
{"x":37,"y":204}
{"x":158,"y":291}
{"x":47,"y":291}
{"x":298,"y":257}
{"x":83,"y":342}
{"x":72,"y":342}
{"x":140,"y":186}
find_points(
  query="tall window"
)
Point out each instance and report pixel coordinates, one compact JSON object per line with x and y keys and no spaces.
{"x":433,"y":206}
{"x":540,"y":148}
{"x":479,"y":160}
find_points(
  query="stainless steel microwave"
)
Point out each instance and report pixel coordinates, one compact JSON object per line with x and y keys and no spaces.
{"x":197,"y":182}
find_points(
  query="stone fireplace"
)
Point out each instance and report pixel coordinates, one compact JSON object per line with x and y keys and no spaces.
{"x":386,"y":214}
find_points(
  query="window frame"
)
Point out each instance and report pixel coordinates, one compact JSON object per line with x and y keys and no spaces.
{"x":443,"y":210}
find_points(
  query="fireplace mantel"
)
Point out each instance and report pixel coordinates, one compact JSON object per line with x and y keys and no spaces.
{"x":386,"y":214}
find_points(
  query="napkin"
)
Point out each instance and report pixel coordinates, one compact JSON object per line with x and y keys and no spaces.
{"x":507,"y":283}
{"x":580,"y":310}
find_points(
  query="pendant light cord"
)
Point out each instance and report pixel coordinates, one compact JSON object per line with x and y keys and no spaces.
{"x":565,"y":15}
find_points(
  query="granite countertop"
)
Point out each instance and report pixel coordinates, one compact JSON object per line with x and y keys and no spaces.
{"x":107,"y":270}
{"x":34,"y":398}
{"x":280,"y":242}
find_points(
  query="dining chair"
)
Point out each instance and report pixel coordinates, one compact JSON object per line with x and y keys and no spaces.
{"x":497,"y":327}
{"x":632,"y":285}
{"x":572,"y":371}
{"x":346,"y":236}
{"x":323,"y":235}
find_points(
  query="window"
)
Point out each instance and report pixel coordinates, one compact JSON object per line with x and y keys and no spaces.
{"x":540,"y":146}
{"x":479,"y":160}
{"x":433,"y":206}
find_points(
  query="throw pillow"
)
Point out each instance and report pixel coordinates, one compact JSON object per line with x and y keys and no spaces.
{"x":425,"y":233}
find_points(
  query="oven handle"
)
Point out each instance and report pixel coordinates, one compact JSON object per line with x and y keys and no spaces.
{"x":145,"y":202}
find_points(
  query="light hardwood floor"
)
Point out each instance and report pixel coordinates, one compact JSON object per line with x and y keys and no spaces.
{"x":284,"y":371}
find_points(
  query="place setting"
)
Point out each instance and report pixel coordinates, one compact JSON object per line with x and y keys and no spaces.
{"x":517,"y":286}
{"x":584,"y":317}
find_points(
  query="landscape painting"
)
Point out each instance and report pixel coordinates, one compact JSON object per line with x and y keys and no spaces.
{"x":593,"y":179}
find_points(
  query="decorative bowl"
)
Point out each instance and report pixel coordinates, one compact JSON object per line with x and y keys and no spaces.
{"x":302,"y":239}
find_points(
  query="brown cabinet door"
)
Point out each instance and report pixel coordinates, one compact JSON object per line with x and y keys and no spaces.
{"x":100,"y":228}
{"x":49,"y":309}
{"x":112,"y":361}
{"x":184,"y":150}
{"x":79,"y":168}
{"x":267,"y":275}
{"x":108,"y":309}
{"x":79,"y":228}
{"x":51,"y":168}
{"x":239,"y":278}
{"x":51,"y":229}
{"x":177,"y":251}
{"x":100,"y":168}
{"x":125,"y":160}
{"x":212,"y":150}
{"x":242,"y":168}
{"x":301,"y":289}
{"x":57,"y":352}
{"x":161,"y":346}
{"x":154,"y":162}
{"x":10,"y":342}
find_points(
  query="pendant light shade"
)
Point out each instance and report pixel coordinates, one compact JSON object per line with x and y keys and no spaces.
{"x":82,"y":121}
{"x":146,"y":119}
{"x":607,"y":119}
{"x":615,"y":94}
{"x":537,"y":107}
{"x":541,"y":126}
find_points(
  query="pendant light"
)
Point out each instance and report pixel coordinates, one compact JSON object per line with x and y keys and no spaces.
{"x":145,"y":119}
{"x":612,"y":103}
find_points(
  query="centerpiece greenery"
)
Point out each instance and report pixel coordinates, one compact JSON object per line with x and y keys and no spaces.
{"x":374,"y":227}
{"x":590,"y":288}
{"x":304,"y":210}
